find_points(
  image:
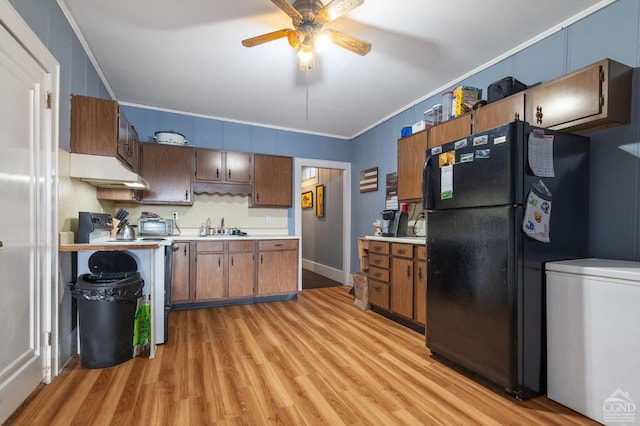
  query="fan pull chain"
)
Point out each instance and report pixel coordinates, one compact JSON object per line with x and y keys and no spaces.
{"x":307,"y":106}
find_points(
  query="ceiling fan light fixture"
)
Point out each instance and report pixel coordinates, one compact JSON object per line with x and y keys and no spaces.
{"x":322,"y":40}
{"x":305,"y":58}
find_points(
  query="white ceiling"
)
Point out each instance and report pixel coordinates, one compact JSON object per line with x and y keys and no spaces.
{"x":186,"y":55}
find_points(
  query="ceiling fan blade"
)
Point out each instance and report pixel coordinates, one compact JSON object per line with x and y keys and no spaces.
{"x":288,"y":9}
{"x":348,"y":42}
{"x":336,"y":9}
{"x":264,"y":38}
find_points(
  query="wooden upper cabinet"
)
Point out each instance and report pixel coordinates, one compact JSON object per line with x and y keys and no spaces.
{"x":209,"y":165}
{"x":598,"y":95}
{"x":238,"y":167}
{"x":98,"y":127}
{"x":167,"y":168}
{"x":94,"y":126}
{"x":220,"y":166}
{"x":411,"y":157}
{"x":272,"y":181}
{"x":499,"y":112}
{"x":450,"y":130}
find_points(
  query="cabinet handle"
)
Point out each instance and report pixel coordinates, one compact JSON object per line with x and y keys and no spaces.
{"x":408,"y":271}
{"x":184,"y":250}
{"x":186,"y":195}
{"x":377,"y":274}
{"x":401,"y":251}
{"x":261,"y":259}
{"x":217,"y":173}
{"x":229,"y":174}
{"x":377,"y":261}
{"x":377,"y":248}
{"x":219,"y":261}
{"x":258,"y":197}
{"x":420,"y":273}
{"x":231,"y":260}
{"x":278,"y":245}
{"x":539,"y":114}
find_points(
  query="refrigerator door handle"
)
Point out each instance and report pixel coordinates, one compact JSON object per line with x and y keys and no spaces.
{"x":427,"y":187}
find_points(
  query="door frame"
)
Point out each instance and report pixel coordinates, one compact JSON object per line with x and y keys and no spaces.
{"x":298,"y":163}
{"x":47,"y":218}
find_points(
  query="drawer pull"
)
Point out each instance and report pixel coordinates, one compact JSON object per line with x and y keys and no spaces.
{"x":377,"y":274}
{"x":278,"y":245}
{"x":401,"y":251}
{"x":377,"y":261}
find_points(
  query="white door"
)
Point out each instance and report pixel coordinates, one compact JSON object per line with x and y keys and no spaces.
{"x":24,"y":229}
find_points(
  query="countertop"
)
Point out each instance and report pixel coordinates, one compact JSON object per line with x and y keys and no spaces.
{"x":403,"y":240}
{"x":110,"y":245}
{"x":234,"y":237}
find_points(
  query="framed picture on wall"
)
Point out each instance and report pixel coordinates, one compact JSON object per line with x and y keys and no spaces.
{"x":307,"y":199}
{"x":319,"y":200}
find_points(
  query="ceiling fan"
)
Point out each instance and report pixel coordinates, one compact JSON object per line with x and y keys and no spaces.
{"x":308,"y":18}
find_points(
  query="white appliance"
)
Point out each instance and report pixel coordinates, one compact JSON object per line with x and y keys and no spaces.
{"x":593,"y":338}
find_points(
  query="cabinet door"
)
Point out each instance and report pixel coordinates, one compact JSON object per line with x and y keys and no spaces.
{"x":241,"y":274}
{"x":566,"y":99}
{"x":449,"y":131}
{"x":592,"y":97}
{"x":277,"y":272}
{"x":419,"y":291}
{"x":209,"y":166}
{"x":272,"y":181}
{"x":238,"y":167}
{"x":402,"y":286}
{"x":180,"y":273}
{"x":379,"y":294}
{"x":500,"y":112}
{"x":411,"y":157}
{"x":210,"y":277}
{"x":94,"y":126}
{"x":167,"y":168}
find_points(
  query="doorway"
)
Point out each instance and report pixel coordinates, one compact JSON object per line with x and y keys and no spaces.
{"x":340,"y":273}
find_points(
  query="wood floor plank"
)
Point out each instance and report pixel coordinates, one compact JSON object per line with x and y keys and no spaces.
{"x":315,"y":360}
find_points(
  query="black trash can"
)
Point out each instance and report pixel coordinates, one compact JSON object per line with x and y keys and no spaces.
{"x":107,"y":300}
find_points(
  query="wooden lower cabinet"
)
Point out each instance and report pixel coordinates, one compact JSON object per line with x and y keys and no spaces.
{"x":214,"y":273}
{"x":180,"y":272}
{"x":241,"y":267}
{"x":210,"y":271}
{"x":420,"y":285}
{"x":277,"y":266}
{"x":396,"y":276}
{"x":402,"y":280}
{"x":379,"y":294}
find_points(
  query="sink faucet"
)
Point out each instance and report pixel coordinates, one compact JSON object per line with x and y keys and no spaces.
{"x":222,"y":225}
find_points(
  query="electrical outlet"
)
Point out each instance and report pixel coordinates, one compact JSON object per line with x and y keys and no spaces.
{"x":174,"y":215}
{"x":268,"y":218}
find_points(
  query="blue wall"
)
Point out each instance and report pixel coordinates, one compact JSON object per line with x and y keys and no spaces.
{"x":612,"y":32}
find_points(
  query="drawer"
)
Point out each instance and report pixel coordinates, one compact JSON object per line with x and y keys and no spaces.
{"x":209,"y":246}
{"x":379,"y":260}
{"x":379,"y":294}
{"x":378,"y":274}
{"x":278,"y":245}
{"x":420,"y":252}
{"x":241,"y":245}
{"x":378,"y":247}
{"x":402,"y":250}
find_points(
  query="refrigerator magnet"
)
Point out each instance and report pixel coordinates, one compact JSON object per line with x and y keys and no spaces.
{"x":483,"y":153}
{"x":480,"y":140}
{"x":460,"y":144}
{"x":447,"y":159}
{"x":437,"y":150}
{"x":499,"y":140}
{"x":446,"y":182}
{"x":467,"y":157}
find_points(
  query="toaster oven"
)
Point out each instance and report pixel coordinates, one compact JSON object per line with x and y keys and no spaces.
{"x":155,"y":227}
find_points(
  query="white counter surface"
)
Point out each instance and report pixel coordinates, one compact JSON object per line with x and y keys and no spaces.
{"x":404,"y":240}
{"x":234,"y":237}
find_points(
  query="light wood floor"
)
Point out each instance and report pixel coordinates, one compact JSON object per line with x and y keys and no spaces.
{"x":315,"y":360}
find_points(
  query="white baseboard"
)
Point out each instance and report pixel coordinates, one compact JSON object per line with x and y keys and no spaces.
{"x":326,"y":271}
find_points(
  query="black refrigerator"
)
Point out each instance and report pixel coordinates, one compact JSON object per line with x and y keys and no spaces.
{"x":485,"y":273}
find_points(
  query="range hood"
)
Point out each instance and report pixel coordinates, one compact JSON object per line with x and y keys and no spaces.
{"x":104,"y":172}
